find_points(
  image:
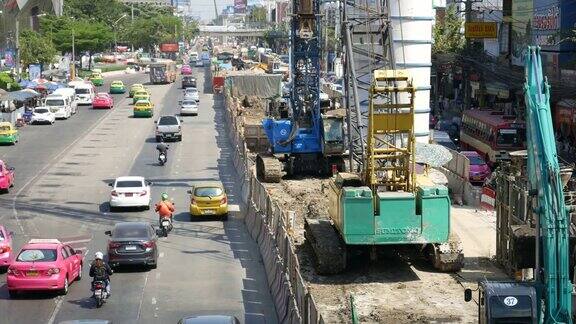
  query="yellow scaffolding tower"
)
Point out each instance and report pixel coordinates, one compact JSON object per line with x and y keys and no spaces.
{"x":390,"y":162}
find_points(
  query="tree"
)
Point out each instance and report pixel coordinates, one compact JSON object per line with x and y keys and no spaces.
{"x":447,"y":33}
{"x":106,"y":11}
{"x":36,"y":48}
{"x":258,"y":15}
{"x":275,"y":38}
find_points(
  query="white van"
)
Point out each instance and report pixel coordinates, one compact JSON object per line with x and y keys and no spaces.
{"x":59,"y":105}
{"x":71,"y":94}
{"x":84,"y":93}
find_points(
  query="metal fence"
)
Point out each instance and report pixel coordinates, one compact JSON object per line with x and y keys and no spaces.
{"x":269,"y":226}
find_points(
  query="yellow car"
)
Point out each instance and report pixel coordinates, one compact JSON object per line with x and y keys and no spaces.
{"x":8,"y":133}
{"x":208,"y":199}
{"x":135,"y":87}
{"x":97,"y":79}
{"x":143,"y":108}
{"x":140,"y":95}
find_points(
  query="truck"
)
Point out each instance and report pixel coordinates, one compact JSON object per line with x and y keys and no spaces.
{"x":163,"y":72}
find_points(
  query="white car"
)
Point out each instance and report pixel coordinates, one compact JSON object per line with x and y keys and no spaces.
{"x":42,"y":115}
{"x":199,"y":63}
{"x":59,"y":105}
{"x":130,"y":192}
{"x":192,"y":94}
{"x":188,"y":107}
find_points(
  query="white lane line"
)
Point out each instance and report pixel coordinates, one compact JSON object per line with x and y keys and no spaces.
{"x":142,"y":296}
{"x":234,"y":208}
{"x":158,"y":275}
{"x":161,"y":255}
{"x":78,"y":241}
{"x":48,"y":165}
{"x":56,"y":310}
{"x":153,"y":300}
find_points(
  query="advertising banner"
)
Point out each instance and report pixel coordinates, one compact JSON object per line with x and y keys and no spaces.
{"x":522,"y":11}
{"x":239,"y":6}
{"x":169,"y":48}
{"x":9,"y":58}
{"x":34,"y":71}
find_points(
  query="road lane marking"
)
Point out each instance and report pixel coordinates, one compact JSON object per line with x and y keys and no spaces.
{"x":46,"y":167}
{"x":161,"y":254}
{"x":59,"y":301}
{"x":234,"y":208}
{"x":142,"y":296}
{"x":153,"y":300}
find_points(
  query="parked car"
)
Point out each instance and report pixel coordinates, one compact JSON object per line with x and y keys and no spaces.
{"x":132,"y":243}
{"x":130,"y":191}
{"x":186,"y":70}
{"x":117,"y":86}
{"x":44,"y":264}
{"x":188,"y":107}
{"x":192,"y":93}
{"x":8,"y":133}
{"x":5,"y":246}
{"x":208,"y":199}
{"x":479,"y":169}
{"x":7,"y":176}
{"x":168,"y":128}
{"x":42,"y":115}
{"x":103,"y":100}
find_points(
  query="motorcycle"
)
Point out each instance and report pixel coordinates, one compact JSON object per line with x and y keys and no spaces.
{"x":100,"y":293}
{"x":162,"y":159}
{"x":165,"y":226}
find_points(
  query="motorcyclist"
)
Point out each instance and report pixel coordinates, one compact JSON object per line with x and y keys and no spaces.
{"x":162,"y":148}
{"x":101,"y":271}
{"x":165,"y":208}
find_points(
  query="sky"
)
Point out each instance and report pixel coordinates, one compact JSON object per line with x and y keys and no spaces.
{"x":205,"y":8}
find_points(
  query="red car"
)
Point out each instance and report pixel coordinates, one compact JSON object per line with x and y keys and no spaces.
{"x":44,"y":264}
{"x":186,"y":70}
{"x":479,"y":170}
{"x":6,"y":177}
{"x":103,"y":100}
{"x":5,"y":246}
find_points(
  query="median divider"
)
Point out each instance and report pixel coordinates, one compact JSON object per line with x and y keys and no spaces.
{"x":269,"y":225}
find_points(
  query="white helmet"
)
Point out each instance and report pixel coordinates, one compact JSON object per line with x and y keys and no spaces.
{"x":99,"y":255}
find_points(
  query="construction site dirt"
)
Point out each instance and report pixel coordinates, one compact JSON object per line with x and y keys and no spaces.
{"x":389,"y":285}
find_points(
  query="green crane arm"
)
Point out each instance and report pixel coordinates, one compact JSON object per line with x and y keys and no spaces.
{"x":546,"y":184}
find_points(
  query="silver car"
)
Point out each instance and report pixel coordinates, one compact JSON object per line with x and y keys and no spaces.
{"x":188,"y":107}
{"x":192,"y":93}
{"x":168,"y":128}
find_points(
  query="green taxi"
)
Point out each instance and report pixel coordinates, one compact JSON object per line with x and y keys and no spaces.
{"x":135,"y":87}
{"x":140,"y":95}
{"x":143,"y":108}
{"x":97,"y":79}
{"x":117,"y":87}
{"x":8,"y":133}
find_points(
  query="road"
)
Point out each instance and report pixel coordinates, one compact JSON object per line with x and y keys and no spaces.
{"x":61,"y":191}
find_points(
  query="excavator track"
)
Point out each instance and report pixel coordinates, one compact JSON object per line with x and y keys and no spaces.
{"x":447,"y":257}
{"x":328,"y":248}
{"x":268,"y":168}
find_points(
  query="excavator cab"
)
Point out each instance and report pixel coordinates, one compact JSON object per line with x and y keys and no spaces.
{"x":333,"y":127}
{"x":505,"y":302}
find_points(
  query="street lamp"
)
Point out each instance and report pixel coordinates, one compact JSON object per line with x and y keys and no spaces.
{"x":115,"y":32}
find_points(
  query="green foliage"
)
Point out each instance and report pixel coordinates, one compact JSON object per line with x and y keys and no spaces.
{"x":275,"y":38}
{"x":105,"y":11}
{"x":7,"y":82}
{"x":447,"y":33}
{"x":89,"y":35}
{"x":258,"y":14}
{"x":36,"y":48}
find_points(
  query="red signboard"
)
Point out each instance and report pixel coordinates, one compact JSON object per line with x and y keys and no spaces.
{"x":169,"y":48}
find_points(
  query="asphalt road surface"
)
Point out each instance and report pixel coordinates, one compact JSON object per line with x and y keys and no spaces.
{"x":61,"y":191}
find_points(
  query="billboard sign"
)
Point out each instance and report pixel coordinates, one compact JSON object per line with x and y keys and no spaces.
{"x":34,"y":71}
{"x":169,"y":48}
{"x":240,"y":6}
{"x":9,"y":58}
{"x":481,"y":30}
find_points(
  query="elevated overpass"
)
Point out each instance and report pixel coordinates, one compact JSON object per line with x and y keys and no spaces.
{"x":230,"y":31}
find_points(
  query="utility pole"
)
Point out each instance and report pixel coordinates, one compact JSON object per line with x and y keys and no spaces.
{"x":467,"y":86}
{"x":132,"y":21}
{"x":73,"y":70}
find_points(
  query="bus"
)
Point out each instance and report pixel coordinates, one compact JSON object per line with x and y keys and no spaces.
{"x":492,"y":134}
{"x":163,"y":72}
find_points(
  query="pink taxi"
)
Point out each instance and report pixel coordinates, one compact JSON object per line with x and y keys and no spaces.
{"x":186,"y":70}
{"x":5,"y":247}
{"x":44,"y":264}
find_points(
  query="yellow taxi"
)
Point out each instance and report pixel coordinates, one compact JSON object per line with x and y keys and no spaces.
{"x":143,"y":108}
{"x":135,"y":87}
{"x":8,"y":133}
{"x":208,"y":199}
{"x":97,"y":79}
{"x":140,"y":95}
